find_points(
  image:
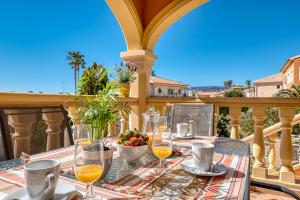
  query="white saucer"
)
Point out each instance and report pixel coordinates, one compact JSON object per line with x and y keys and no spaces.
{"x":188,"y":136}
{"x":218,"y":170}
{"x":63,"y":191}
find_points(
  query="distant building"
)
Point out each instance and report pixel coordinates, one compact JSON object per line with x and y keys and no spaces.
{"x":268,"y":86}
{"x":250,"y":92}
{"x":288,"y":76}
{"x":165,"y":87}
{"x":209,"y":94}
{"x":290,"y":71}
{"x":238,"y":87}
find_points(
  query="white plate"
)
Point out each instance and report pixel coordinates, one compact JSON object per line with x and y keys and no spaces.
{"x":63,"y":191}
{"x":218,"y":170}
{"x":188,"y":136}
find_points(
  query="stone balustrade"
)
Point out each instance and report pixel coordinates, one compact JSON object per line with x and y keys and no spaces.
{"x":261,"y":169}
{"x":22,"y":110}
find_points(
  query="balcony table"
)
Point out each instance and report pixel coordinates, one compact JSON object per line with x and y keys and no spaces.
{"x":144,"y":181}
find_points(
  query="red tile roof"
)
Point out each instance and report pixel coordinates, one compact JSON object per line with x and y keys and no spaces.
{"x":164,"y":81}
{"x":288,"y":63}
{"x":275,"y":78}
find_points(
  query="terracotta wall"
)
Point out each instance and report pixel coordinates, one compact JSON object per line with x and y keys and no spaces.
{"x":266,"y":89}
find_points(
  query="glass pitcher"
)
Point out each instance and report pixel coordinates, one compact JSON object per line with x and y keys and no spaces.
{"x":150,"y":124}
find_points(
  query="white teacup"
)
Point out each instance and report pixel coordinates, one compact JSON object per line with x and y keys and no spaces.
{"x":203,"y":155}
{"x":182,"y":129}
{"x":41,"y":178}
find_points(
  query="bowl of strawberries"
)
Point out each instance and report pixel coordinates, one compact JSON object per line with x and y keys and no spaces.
{"x":132,"y":145}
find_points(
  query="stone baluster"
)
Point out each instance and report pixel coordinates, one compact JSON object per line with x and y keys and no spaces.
{"x":124,"y":123}
{"x":216,"y":119}
{"x":272,"y":155}
{"x":258,"y":169}
{"x":22,"y":124}
{"x":234,"y":113}
{"x":72,"y":112}
{"x":53,"y":117}
{"x":112,"y":129}
{"x":287,"y":173}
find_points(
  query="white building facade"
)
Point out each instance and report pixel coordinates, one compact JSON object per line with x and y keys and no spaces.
{"x":165,"y":87}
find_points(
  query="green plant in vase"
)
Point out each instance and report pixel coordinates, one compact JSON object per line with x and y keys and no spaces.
{"x":98,"y":111}
{"x":125,"y":76}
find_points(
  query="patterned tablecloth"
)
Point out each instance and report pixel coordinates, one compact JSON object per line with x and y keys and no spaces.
{"x":146,"y":181}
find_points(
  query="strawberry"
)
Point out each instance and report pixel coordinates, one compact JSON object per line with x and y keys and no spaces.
{"x":134,"y":141}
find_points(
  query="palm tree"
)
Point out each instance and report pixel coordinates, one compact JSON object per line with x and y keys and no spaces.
{"x":228,"y":84}
{"x":76,"y":60}
{"x":248,"y":84}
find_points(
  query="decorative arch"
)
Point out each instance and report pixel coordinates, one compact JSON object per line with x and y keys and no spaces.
{"x":143,"y":21}
{"x":129,"y":21}
{"x":165,"y":18}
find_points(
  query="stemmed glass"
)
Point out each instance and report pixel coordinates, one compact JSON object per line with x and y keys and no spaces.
{"x":89,"y":165}
{"x":81,"y":134}
{"x":162,"y":148}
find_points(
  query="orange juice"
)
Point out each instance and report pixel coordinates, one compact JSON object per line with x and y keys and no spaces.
{"x":162,"y":128}
{"x":150,"y":138}
{"x":162,"y":151}
{"x":89,"y":173}
{"x":83,"y":141}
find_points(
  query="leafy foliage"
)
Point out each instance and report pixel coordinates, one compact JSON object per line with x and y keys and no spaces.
{"x":287,"y":93}
{"x":228,"y":83}
{"x":234,"y":93}
{"x":223,"y":126}
{"x":93,"y":79}
{"x":247,"y":123}
{"x":125,"y":73}
{"x":100,"y":111}
{"x":248,"y":84}
{"x":76,"y":60}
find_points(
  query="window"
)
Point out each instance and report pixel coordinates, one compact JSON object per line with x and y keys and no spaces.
{"x":170,"y":91}
{"x":159,"y":90}
{"x":278,"y":86}
{"x":179,"y":91}
{"x":290,"y":76}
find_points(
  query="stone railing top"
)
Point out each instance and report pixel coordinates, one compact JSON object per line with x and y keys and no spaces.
{"x":12,"y":99}
{"x":272,"y":129}
{"x":230,"y":101}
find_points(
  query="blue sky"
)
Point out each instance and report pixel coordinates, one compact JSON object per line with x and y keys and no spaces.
{"x":224,"y":39}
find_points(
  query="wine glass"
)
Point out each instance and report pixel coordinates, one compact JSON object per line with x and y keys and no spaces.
{"x":163,"y":127}
{"x":162,"y":148}
{"x":89,"y":165}
{"x":81,"y":134}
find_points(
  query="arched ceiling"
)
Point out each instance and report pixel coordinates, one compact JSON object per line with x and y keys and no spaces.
{"x":144,"y":21}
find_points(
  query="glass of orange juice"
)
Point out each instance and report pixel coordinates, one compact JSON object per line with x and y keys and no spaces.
{"x":89,"y":165}
{"x":81,"y":134}
{"x":162,"y":149}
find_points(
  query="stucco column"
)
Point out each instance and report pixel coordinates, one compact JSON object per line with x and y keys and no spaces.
{"x":235,"y":115}
{"x":22,"y":124}
{"x":287,"y":173}
{"x":140,"y":88}
{"x":258,"y":169}
{"x":53,"y":118}
{"x":124,"y":124}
